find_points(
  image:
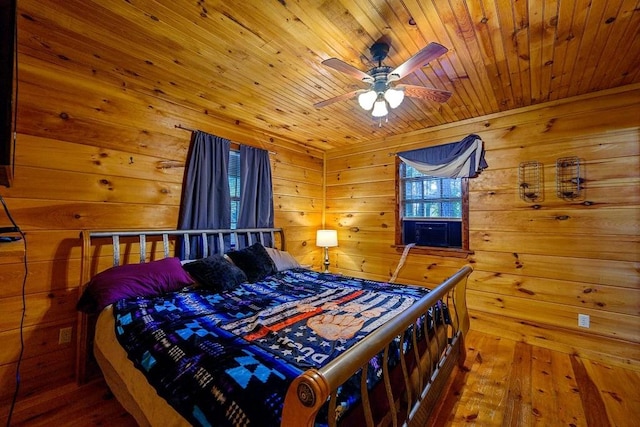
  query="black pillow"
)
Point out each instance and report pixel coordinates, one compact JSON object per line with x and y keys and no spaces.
{"x":216,"y":273}
{"x":255,"y":261}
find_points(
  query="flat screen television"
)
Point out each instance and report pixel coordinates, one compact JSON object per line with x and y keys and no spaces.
{"x":7,"y":93}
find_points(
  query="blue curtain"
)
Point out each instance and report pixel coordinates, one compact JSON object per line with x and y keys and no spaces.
{"x":256,"y":192}
{"x":205,"y":197}
{"x":462,"y":159}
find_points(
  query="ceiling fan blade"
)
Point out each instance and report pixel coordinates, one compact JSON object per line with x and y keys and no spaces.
{"x":425,"y":93}
{"x":338,"y":98}
{"x":421,"y":58}
{"x":348,"y":69}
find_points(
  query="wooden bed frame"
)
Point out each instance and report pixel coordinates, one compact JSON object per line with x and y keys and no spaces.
{"x":311,"y":390}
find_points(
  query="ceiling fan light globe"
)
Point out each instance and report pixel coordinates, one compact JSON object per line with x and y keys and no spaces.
{"x":394,"y":97}
{"x":380,"y":109}
{"x":366,"y":99}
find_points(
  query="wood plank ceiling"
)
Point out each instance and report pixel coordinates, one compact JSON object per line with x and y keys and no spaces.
{"x":259,"y":61}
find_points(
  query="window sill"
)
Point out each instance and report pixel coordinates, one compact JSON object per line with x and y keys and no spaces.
{"x":431,"y":250}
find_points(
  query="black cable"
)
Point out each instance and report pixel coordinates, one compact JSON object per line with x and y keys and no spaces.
{"x":15,"y":226}
{"x":24,"y":309}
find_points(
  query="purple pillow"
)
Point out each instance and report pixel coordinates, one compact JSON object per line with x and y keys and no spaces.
{"x":133,"y":280}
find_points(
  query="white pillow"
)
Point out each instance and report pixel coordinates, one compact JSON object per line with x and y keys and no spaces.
{"x":282,"y":259}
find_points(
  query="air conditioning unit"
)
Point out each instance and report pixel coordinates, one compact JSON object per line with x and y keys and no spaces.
{"x":446,"y":234}
{"x":432,"y":234}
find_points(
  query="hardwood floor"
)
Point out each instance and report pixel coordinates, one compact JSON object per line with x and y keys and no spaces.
{"x":70,"y":405}
{"x":502,"y":383}
{"x":509,"y":383}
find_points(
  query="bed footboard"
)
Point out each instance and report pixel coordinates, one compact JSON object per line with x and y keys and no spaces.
{"x":422,"y":387}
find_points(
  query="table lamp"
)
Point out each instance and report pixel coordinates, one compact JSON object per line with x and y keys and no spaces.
{"x":326,"y":239}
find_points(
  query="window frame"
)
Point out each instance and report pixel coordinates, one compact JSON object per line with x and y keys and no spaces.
{"x":445,"y":251}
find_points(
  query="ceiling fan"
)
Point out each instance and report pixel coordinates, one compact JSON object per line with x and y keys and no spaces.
{"x":381,"y":78}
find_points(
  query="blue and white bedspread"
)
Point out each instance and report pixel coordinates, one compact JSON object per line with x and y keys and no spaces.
{"x":228,"y":359}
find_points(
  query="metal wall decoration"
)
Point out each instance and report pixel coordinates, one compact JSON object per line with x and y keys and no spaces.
{"x":568,"y":179}
{"x":530,"y":181}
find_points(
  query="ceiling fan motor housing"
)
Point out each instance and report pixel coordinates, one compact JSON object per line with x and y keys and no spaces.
{"x":380,"y":78}
{"x":379,"y":51}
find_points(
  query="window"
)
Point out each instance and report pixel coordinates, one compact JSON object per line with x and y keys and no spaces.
{"x":432,"y":211}
{"x":429,"y":197}
{"x":234,"y":185}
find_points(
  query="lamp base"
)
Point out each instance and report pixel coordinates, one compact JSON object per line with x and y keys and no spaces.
{"x":326,"y":259}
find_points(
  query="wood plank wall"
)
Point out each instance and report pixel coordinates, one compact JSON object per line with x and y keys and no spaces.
{"x":536,"y":267}
{"x":94,"y":154}
{"x":97,"y":149}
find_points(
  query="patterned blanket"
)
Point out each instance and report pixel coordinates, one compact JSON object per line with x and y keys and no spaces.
{"x":228,"y":359}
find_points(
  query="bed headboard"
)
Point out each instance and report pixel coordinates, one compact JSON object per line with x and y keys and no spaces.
{"x":208,"y":241}
{"x":194,"y":243}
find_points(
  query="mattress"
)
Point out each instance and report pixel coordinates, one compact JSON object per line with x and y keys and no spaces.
{"x":127,"y":383}
{"x":180,"y":325}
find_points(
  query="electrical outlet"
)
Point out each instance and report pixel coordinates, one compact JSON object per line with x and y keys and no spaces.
{"x":64,"y":336}
{"x":583,"y":320}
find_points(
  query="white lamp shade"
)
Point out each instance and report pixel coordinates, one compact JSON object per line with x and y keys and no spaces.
{"x":366,"y":99}
{"x":394,"y":97}
{"x":380,"y":109}
{"x":327,"y":238}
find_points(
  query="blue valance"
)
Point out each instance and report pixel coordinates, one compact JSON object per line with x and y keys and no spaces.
{"x":462,"y":159}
